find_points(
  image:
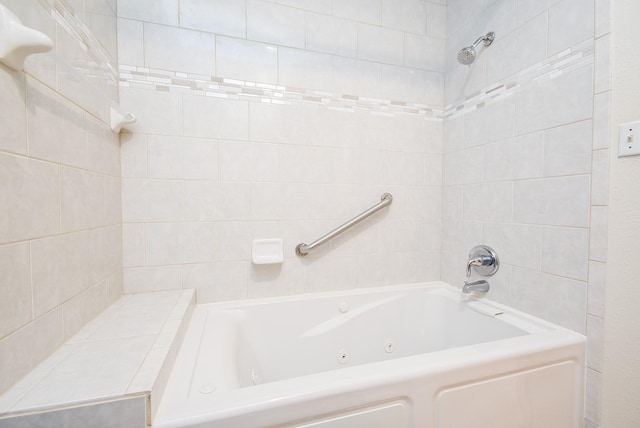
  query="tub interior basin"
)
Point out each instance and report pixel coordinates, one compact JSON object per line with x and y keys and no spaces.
{"x":253,"y":343}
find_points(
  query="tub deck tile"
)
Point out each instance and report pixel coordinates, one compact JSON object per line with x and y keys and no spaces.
{"x":123,"y":352}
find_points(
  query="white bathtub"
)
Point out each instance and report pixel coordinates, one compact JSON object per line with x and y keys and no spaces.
{"x":416,"y":355}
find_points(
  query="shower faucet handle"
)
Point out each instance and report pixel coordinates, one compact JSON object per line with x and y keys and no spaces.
{"x":484,"y":260}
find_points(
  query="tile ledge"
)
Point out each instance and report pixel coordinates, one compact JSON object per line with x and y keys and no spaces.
{"x":149,"y":378}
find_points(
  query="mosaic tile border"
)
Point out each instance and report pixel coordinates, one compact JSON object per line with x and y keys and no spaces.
{"x":564,"y":62}
{"x":233,"y":89}
{"x":63,"y":13}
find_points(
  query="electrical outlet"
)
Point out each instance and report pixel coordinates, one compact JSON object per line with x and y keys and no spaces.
{"x":629,"y":139}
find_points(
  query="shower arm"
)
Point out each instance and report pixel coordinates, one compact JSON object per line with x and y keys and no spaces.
{"x":487,"y":39}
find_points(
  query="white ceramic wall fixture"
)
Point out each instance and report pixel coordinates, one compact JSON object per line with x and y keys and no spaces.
{"x":17,"y":42}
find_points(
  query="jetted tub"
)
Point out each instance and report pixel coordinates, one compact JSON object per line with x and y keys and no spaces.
{"x":419,"y":355}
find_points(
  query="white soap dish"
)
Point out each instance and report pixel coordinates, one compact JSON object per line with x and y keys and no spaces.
{"x":267,"y":251}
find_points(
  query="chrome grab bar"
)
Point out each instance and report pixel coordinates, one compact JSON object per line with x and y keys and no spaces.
{"x":303,"y":249}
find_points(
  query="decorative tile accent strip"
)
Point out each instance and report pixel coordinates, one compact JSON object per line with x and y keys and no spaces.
{"x":233,"y":89}
{"x":564,"y":62}
{"x":62,"y":12}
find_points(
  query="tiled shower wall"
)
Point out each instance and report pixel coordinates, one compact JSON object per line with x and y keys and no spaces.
{"x":60,"y":228}
{"x":280,"y":119}
{"x":526,"y":152}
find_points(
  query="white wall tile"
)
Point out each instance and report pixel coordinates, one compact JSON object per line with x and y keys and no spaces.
{"x":490,"y":123}
{"x":401,"y":83}
{"x":113,"y":200}
{"x":424,"y":52}
{"x":595,"y":342}
{"x":598,"y":242}
{"x":30,"y":192}
{"x":15,"y":287}
{"x":602,"y":17}
{"x":82,"y":199}
{"x":515,"y":51}
{"x":602,"y":67}
{"x":378,"y":269}
{"x":562,"y":201}
{"x":574,"y":14}
{"x":322,"y":6}
{"x":452,"y":202}
{"x":329,"y":273}
{"x":358,"y":10}
{"x":249,"y":161}
{"x":61,"y":269}
{"x":133,"y":155}
{"x":234,"y":238}
{"x":489,"y":202}
{"x":307,"y":164}
{"x":226,"y":17}
{"x":409,"y":15}
{"x":156,"y":112}
{"x":531,"y":291}
{"x":601,"y":120}
{"x":304,"y":69}
{"x":208,"y":117}
{"x":179,"y":243}
{"x":527,"y":9}
{"x":276,"y":280}
{"x":171,"y":48}
{"x":600,"y":178}
{"x":179,"y":157}
{"x":380,"y":44}
{"x":597,"y":280}
{"x":565,"y":252}
{"x":514,"y":158}
{"x":352,"y":76}
{"x":133,"y":244}
{"x":436,"y":20}
{"x":563,"y":99}
{"x":246,"y":60}
{"x":271,"y":23}
{"x":81,"y":309}
{"x":103,"y":148}
{"x":463,"y":167}
{"x":567,"y":149}
{"x":280,"y":201}
{"x":45,"y":331}
{"x":156,"y":278}
{"x":130,"y":42}
{"x":13,"y":118}
{"x":151,"y":200}
{"x":165,"y":157}
{"x":332,"y":35}
{"x":164,"y":11}
{"x":593,"y":399}
{"x":516,"y":244}
{"x":215,"y":282}
{"x":50,"y":114}
{"x":216,"y":201}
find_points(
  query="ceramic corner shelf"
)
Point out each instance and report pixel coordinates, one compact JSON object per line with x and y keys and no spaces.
{"x":17,"y":42}
{"x":118,"y":120}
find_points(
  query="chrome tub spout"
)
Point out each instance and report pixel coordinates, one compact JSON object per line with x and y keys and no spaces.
{"x":482,"y":286}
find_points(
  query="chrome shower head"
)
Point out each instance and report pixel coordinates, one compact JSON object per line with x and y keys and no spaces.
{"x":467,"y":55}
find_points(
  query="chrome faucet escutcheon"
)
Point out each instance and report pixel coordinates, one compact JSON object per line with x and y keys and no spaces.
{"x":484,"y":260}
